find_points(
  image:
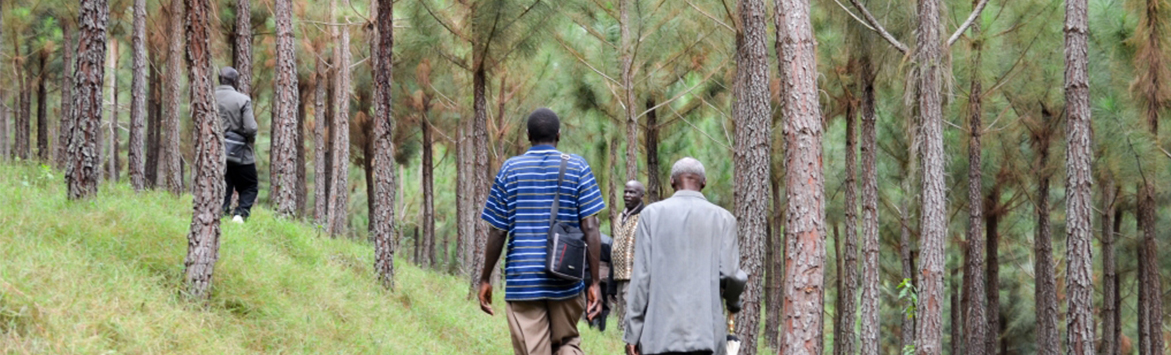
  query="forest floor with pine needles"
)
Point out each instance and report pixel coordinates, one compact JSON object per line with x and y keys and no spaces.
{"x":104,"y":276}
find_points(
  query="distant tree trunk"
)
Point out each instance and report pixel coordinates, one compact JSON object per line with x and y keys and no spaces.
{"x":1046,"y":280}
{"x":154,"y":120}
{"x":299,"y":142}
{"x":339,"y":197}
{"x":243,"y":46}
{"x":1144,"y":327}
{"x":65,"y":125}
{"x":112,"y":162}
{"x":286,"y":100}
{"x":626,"y":60}
{"x":974,"y":298}
{"x":384,"y":185}
{"x":907,"y":329}
{"x":43,"y":153}
{"x":427,"y":166}
{"x":320,"y":167}
{"x":1078,"y":181}
{"x":870,"y":242}
{"x":1150,"y":282}
{"x":774,"y":265}
{"x":173,"y":173}
{"x":992,"y":273}
{"x":751,"y":159}
{"x":654,"y":187}
{"x":465,"y":245}
{"x":81,"y":174}
{"x":804,"y":287}
{"x":21,"y":139}
{"x":844,"y":335}
{"x":928,"y":54}
{"x":612,"y":190}
{"x":956,"y":338}
{"x":1111,"y":329}
{"x":208,"y":171}
{"x":480,"y":170}
{"x":135,"y":158}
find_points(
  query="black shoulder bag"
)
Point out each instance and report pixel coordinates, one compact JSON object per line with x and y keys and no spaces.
{"x":566,"y":246}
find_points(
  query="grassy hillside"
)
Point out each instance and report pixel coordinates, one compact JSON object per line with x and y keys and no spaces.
{"x":103,"y":276}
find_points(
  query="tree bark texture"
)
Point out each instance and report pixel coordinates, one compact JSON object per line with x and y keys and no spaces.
{"x":992,"y":271}
{"x":81,"y":174}
{"x":1078,"y":181}
{"x":320,"y":181}
{"x":302,"y":180}
{"x":907,"y":327}
{"x":844,"y":335}
{"x":243,"y":48}
{"x":627,"y":48}
{"x":65,"y":124}
{"x":804,"y":287}
{"x":933,"y":225}
{"x":21,"y":138}
{"x":286,"y":100}
{"x":1150,"y":281}
{"x":1111,"y":329}
{"x":173,"y":173}
{"x":339,"y":196}
{"x":870,"y":242}
{"x":752,"y":163}
{"x":112,"y":162}
{"x":135,"y":157}
{"x":774,"y":265}
{"x":463,"y":254}
{"x":973,"y":297}
{"x":956,"y":338}
{"x":427,"y":166}
{"x":480,"y":169}
{"x":1046,"y":281}
{"x":384,"y":184}
{"x":43,"y":153}
{"x":154,"y":121}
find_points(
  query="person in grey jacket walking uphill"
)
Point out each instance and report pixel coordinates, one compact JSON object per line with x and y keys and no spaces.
{"x":240,"y":128}
{"x":684,"y":247}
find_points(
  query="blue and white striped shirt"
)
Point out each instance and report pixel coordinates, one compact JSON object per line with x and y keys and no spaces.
{"x":520,"y":203}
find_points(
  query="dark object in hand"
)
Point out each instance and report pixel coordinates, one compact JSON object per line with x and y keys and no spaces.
{"x":732,"y":288}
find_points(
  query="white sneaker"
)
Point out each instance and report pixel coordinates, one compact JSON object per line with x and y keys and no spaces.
{"x":238,"y":220}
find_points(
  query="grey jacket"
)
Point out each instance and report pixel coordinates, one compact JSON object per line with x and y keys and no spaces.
{"x":682,"y":247}
{"x":236,"y":116}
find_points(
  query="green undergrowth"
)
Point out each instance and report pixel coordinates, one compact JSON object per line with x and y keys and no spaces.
{"x":104,"y":276}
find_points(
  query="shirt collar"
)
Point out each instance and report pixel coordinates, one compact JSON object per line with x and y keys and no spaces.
{"x":225,"y":87}
{"x":689,"y":193}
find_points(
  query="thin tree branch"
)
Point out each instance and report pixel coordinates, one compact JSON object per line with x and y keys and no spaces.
{"x":967,"y":23}
{"x":685,"y":92}
{"x":877,"y":27}
{"x":851,"y":13}
{"x":445,"y":25}
{"x":721,"y":23}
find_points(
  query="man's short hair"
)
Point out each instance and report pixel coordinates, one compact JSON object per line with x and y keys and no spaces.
{"x":688,"y":165}
{"x":543,"y":125}
{"x":228,"y":76}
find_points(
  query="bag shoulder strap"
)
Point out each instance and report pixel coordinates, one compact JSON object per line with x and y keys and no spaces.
{"x":557,"y":192}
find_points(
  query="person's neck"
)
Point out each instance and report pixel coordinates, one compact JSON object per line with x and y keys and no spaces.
{"x":689,"y":188}
{"x":632,"y":208}
{"x":551,"y":144}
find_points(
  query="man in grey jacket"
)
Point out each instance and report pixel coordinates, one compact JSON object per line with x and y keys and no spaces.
{"x":240,"y":128}
{"x":684,"y":246}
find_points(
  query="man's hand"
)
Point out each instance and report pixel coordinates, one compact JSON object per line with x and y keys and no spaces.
{"x":593,"y":301}
{"x":486,"y":298}
{"x":631,"y":349}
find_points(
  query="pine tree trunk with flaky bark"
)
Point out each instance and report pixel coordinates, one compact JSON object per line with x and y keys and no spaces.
{"x":136,"y":157}
{"x":172,"y":171}
{"x":1111,"y":329}
{"x":243,"y":46}
{"x":1150,"y":307}
{"x":1151,"y":64}
{"x":928,"y":57}
{"x":65,"y":124}
{"x":207,"y":174}
{"x":320,"y":181}
{"x":751,"y":159}
{"x":1045,"y":279}
{"x":1079,"y":288}
{"x":804,"y":287}
{"x":339,"y":196}
{"x":384,"y":184}
{"x":81,"y":173}
{"x":626,"y":61}
{"x":870,"y":242}
{"x":973,"y":297}
{"x":844,"y":335}
{"x":286,"y":100}
{"x":43,"y":153}
{"x":480,"y":170}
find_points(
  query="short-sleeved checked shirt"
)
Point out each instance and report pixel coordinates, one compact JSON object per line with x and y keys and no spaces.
{"x":520,"y":202}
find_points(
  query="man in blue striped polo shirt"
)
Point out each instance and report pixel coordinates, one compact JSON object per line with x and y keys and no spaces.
{"x":542,"y":310}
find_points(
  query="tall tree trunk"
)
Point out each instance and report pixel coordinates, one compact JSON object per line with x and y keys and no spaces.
{"x":1153,"y":75}
{"x":1046,"y":281}
{"x":320,"y":150}
{"x":992,"y":271}
{"x":384,"y":185}
{"x":1078,"y":181}
{"x":804,"y":287}
{"x":208,"y":171}
{"x":1110,"y":328}
{"x":844,"y":335}
{"x":43,"y":154}
{"x":956,"y":338}
{"x":1150,"y":283}
{"x":626,"y":60}
{"x":21,"y":139}
{"x":427,"y":166}
{"x":243,"y":46}
{"x":135,"y":158}
{"x":654,"y":187}
{"x":933,"y":225}
{"x":112,"y":162}
{"x":299,"y":142}
{"x":81,"y":174}
{"x":286,"y":100}
{"x":774,"y":265}
{"x":907,"y":328}
{"x":1144,"y":327}
{"x":480,"y":170}
{"x":154,"y":122}
{"x":465,"y":245}
{"x":173,"y":173}
{"x":339,"y":197}
{"x":65,"y":124}
{"x":751,"y":159}
{"x":974,"y":298}
{"x":870,"y":242}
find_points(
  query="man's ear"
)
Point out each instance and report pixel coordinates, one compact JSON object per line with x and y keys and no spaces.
{"x":558,"y":139}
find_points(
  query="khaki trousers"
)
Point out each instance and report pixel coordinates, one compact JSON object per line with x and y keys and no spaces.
{"x":546,"y":327}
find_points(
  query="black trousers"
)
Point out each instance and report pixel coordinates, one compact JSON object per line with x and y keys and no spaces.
{"x":240,"y":179}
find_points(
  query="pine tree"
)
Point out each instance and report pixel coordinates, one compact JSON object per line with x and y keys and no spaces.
{"x":243,"y":48}
{"x":135,"y":157}
{"x":81,"y":174}
{"x":286,"y":101}
{"x":384,"y":184}
{"x":172,"y":171}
